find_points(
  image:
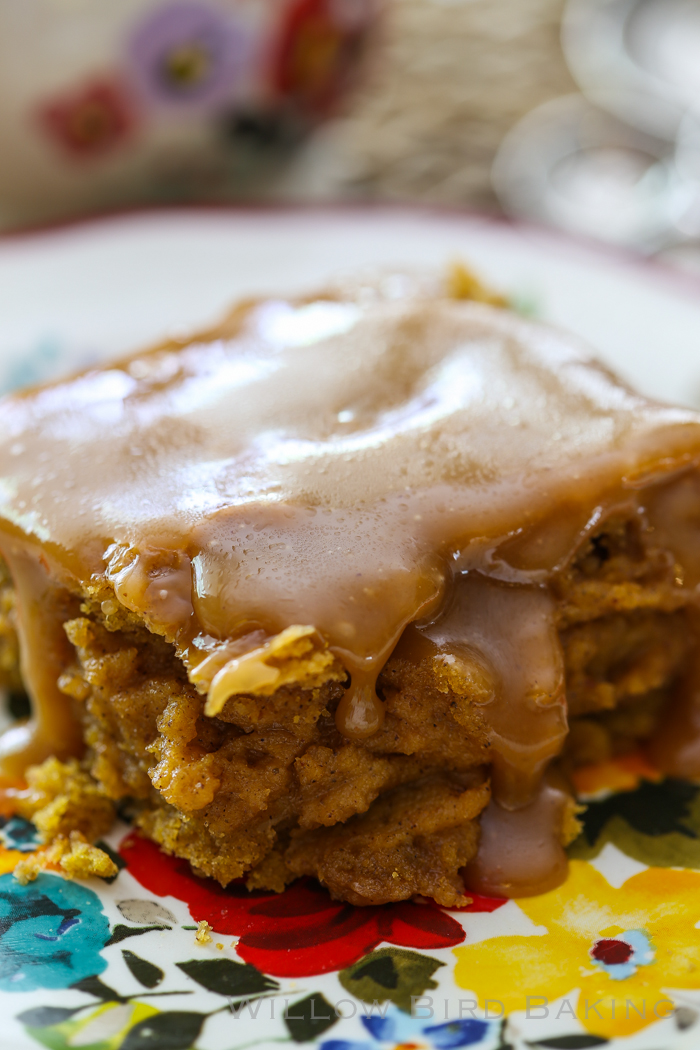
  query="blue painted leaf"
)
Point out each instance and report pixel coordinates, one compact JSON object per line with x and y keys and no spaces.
{"x":457,"y":1033}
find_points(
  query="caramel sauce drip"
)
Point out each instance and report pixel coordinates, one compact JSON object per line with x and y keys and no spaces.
{"x":42,"y":609}
{"x":357,"y":465}
{"x":508,"y":633}
{"x":360,"y":714}
{"x":520,"y":852}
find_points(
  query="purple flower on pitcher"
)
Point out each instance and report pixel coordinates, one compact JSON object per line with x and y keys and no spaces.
{"x":188,"y":53}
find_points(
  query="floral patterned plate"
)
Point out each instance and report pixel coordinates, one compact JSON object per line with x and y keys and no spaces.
{"x":158,"y":958}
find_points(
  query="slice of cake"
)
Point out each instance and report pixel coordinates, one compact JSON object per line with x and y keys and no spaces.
{"x":342,"y":587}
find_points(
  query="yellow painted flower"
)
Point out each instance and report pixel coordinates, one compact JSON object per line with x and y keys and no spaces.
{"x":622,"y":949}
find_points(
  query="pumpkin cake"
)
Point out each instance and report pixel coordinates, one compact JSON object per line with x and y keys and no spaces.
{"x":342,"y":588}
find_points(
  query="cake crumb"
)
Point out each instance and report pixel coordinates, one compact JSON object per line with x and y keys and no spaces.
{"x":203,"y":934}
{"x":74,"y":857}
{"x":27,"y":869}
{"x":84,"y":861}
{"x":463,"y":284}
{"x":220,"y":946}
{"x":394,"y":874}
{"x":62,"y":798}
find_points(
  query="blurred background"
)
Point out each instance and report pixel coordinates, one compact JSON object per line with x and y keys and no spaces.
{"x":579,"y":114}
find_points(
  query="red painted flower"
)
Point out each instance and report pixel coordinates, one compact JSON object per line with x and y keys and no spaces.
{"x":91,"y":120}
{"x":318,"y":50}
{"x":298,"y":933}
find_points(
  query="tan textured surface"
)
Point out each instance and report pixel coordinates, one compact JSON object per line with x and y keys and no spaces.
{"x":271,"y":789}
{"x":449,"y":80}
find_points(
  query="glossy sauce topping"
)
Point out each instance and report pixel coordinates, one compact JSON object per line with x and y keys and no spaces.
{"x":349,"y":466}
{"x":520,"y":853}
{"x":507,"y":632}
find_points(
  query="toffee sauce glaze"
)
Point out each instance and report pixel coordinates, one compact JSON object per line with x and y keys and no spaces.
{"x":408,"y":471}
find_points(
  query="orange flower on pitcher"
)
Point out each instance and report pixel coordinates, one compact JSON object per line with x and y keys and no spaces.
{"x":614,"y":955}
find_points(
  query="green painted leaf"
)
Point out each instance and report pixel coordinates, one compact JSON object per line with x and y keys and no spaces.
{"x":685,"y":1017}
{"x":145,"y":972}
{"x":115,"y":857}
{"x":121,"y":932}
{"x":381,"y":970}
{"x":658,"y":824}
{"x":390,"y":973}
{"x":176,"y":1030}
{"x":54,"y":1038}
{"x":43,"y":1016}
{"x":570,"y":1042}
{"x":309,"y":1018}
{"x":94,"y":986}
{"x":226,"y":977}
{"x":653,"y":808}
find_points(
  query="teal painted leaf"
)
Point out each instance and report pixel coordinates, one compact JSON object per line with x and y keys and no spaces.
{"x":309,"y":1018}
{"x":390,"y":973}
{"x":17,"y":833}
{"x":146,"y":973}
{"x":226,"y":977}
{"x":176,"y":1030}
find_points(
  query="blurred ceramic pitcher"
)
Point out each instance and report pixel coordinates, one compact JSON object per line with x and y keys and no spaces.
{"x":105,"y":103}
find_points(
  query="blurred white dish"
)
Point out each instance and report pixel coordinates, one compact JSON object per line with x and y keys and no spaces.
{"x":81,"y":293}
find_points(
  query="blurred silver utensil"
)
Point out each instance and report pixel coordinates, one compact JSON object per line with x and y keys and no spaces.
{"x":570,"y":164}
{"x":638,"y":59}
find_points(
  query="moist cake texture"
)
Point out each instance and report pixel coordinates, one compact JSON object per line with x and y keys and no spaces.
{"x":345,"y":586}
